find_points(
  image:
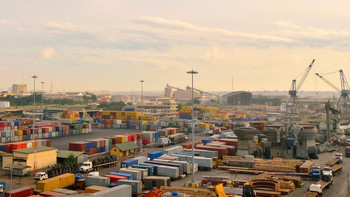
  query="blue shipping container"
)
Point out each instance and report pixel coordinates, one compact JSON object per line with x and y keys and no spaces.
{"x":155,"y":154}
{"x":3,"y":185}
{"x":128,"y":163}
{"x":152,"y":165}
{"x":204,"y":142}
{"x":3,"y":147}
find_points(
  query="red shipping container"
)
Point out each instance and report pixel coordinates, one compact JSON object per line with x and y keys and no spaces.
{"x":77,"y":146}
{"x":115,"y":178}
{"x":8,"y":148}
{"x":146,"y":141}
{"x":23,"y":145}
{"x":50,"y":193}
{"x":167,"y":158}
{"x":231,"y":142}
{"x":20,"y":192}
{"x":189,"y":145}
{"x":2,"y":128}
{"x":221,"y":151}
{"x":3,"y":124}
{"x":92,"y":151}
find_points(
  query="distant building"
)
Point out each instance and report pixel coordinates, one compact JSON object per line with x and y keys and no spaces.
{"x":123,"y":149}
{"x":162,"y":107}
{"x":237,"y":98}
{"x":19,"y":88}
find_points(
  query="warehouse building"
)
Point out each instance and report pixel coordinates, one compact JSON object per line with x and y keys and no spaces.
{"x":123,"y":149}
{"x":19,"y":88}
{"x":25,"y":157}
{"x":63,"y":155}
{"x":237,"y":98}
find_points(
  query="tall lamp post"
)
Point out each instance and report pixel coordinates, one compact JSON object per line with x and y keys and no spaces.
{"x":192,"y":72}
{"x":42,"y":99}
{"x":33,"y":125}
{"x":142,"y":104}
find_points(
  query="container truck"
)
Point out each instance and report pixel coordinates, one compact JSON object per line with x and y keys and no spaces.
{"x":178,"y":138}
{"x":94,"y":165}
{"x":324,"y":182}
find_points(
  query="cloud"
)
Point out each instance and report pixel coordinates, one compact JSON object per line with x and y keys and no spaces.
{"x":12,"y":23}
{"x":48,"y":53}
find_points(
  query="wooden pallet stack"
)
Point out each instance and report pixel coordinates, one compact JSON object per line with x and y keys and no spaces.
{"x":286,"y":165}
{"x":193,"y":192}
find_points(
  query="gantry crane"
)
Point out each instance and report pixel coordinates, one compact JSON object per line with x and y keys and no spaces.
{"x":295,"y":88}
{"x":345,"y":89}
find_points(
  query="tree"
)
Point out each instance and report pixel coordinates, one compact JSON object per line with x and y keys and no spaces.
{"x":71,"y":160}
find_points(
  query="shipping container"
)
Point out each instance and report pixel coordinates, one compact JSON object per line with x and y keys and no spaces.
{"x":127,"y":175}
{"x":115,"y":178}
{"x":149,"y":169}
{"x":136,"y":174}
{"x":94,"y":189}
{"x":117,"y":191}
{"x":204,"y":153}
{"x":65,"y":191}
{"x":128,"y":163}
{"x":136,"y":185}
{"x":154,"y":155}
{"x":173,"y":150}
{"x":156,"y":181}
{"x":97,"y":180}
{"x":166,"y":163}
{"x":51,"y":193}
{"x":20,"y":192}
{"x":144,"y":172}
{"x":140,"y":159}
{"x":172,"y":172}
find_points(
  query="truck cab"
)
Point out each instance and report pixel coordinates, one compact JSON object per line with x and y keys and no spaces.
{"x":39,"y":176}
{"x":316,"y":172}
{"x":340,"y":156}
{"x":86,"y":167}
{"x":327,"y":174}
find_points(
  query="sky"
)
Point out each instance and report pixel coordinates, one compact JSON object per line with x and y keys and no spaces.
{"x":113,"y":44}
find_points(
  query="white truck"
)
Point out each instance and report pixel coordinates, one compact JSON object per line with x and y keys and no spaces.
{"x":339,"y":156}
{"x":39,"y":176}
{"x":86,"y":167}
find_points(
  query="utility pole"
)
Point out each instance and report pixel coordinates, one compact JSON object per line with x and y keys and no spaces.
{"x":33,"y":128}
{"x":192,"y":72}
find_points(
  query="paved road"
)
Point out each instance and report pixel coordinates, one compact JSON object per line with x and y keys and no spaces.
{"x":339,"y":188}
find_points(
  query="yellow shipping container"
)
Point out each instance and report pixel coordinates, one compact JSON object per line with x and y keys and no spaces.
{"x":84,"y":131}
{"x":66,"y":179}
{"x":18,"y":132}
{"x":20,"y":138}
{"x":105,"y":113}
{"x":48,"y":184}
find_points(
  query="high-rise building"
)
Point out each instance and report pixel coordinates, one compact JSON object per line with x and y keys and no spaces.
{"x":19,"y":88}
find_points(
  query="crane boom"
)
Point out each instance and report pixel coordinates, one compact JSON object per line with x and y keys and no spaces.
{"x":327,"y":82}
{"x":303,"y":78}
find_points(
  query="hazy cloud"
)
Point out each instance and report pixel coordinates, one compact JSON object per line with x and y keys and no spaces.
{"x":48,"y":53}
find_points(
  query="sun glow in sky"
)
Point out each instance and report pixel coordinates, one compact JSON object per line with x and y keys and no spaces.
{"x":112,"y":45}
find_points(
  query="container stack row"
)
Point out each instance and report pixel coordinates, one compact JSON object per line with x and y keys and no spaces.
{"x":23,"y":130}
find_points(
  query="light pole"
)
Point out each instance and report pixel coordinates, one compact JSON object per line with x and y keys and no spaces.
{"x":142,"y":111}
{"x":42,"y":99}
{"x":33,"y":125}
{"x":192,"y":72}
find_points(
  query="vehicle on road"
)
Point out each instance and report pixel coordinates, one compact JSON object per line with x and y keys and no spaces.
{"x":39,"y":176}
{"x":326,"y":180}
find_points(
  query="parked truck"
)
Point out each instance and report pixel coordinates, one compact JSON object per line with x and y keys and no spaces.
{"x":178,"y":138}
{"x":347,"y":151}
{"x":94,"y":165}
{"x":324,"y":182}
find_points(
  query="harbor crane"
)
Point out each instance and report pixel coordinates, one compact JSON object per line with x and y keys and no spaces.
{"x":345,"y":88}
{"x":293,"y":100}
